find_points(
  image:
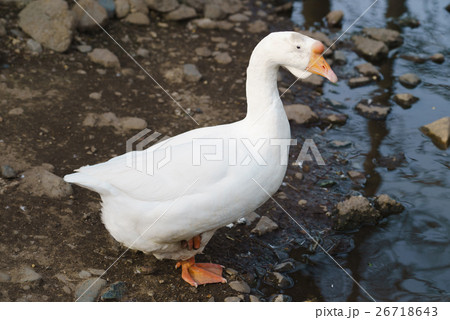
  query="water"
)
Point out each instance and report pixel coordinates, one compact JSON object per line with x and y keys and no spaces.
{"x":407,"y":257}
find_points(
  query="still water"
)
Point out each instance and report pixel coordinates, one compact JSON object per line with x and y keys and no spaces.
{"x":407,"y":257}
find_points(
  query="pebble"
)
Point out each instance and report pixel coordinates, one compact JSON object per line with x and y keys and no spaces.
{"x":264,"y":225}
{"x":84,"y":274}
{"x":279,"y":280}
{"x":34,"y":46}
{"x":300,"y":113}
{"x":39,"y":182}
{"x":8,"y":172}
{"x":409,"y":80}
{"x":405,"y":100}
{"x":232,"y":299}
{"x":390,"y":37}
{"x":213,"y":11}
{"x":302,"y":202}
{"x":88,"y":290}
{"x":253,"y":298}
{"x":162,"y":5}
{"x":357,"y":176}
{"x":372,"y":50}
{"x":368,"y":70}
{"x":280,"y":298}
{"x":95,"y":95}
{"x":191,"y":73}
{"x":115,"y":292}
{"x":4,"y":277}
{"x":326,"y":183}
{"x":373,"y":112}
{"x":386,"y":205}
{"x":144,"y":53}
{"x":183,"y":12}
{"x":145,"y":270}
{"x":203,"y":52}
{"x":105,"y":58}
{"x":138,"y":6}
{"x":15,"y":111}
{"x":132,"y":123}
{"x":251,"y":217}
{"x":335,"y":118}
{"x":96,"y":272}
{"x":439,"y":132}
{"x":359,"y":82}
{"x":285,"y":266}
{"x":257,"y":26}
{"x":299,"y":175}
{"x":84,"y":21}
{"x":334,"y":18}
{"x":313,"y":80}
{"x":137,"y":18}
{"x":354,"y":212}
{"x":437,"y":58}
{"x":25,"y":274}
{"x":84,"y":48}
{"x":340,"y":57}
{"x":240,"y":286}
{"x":122,"y":8}
{"x":223,"y":58}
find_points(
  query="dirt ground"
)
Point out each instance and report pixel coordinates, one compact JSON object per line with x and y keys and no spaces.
{"x":58,"y":238}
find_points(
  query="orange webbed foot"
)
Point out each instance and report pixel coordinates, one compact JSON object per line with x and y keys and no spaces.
{"x":200,"y":273}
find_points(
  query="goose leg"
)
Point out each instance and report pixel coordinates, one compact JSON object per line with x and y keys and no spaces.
{"x":200,"y":273}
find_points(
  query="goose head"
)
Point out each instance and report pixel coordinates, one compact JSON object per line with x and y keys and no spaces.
{"x":298,"y":53}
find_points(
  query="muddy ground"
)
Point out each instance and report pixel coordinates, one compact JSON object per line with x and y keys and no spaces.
{"x":58,"y":238}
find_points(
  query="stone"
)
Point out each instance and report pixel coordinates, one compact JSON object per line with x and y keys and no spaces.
{"x":264,"y":225}
{"x":284,"y":7}
{"x":96,"y":11}
{"x":122,"y":8}
{"x":132,"y":123}
{"x":280,"y":298}
{"x":16,"y":111}
{"x":162,"y":5}
{"x":334,"y":18}
{"x":95,"y":271}
{"x":340,"y":143}
{"x":415,"y":58}
{"x":83,"y":274}
{"x":313,"y":80}
{"x":174,"y":75}
{"x":213,"y":11}
{"x":409,"y":80}
{"x":224,"y":25}
{"x":40,"y":182}
{"x":355,"y":212}
{"x":34,"y":46}
{"x":49,"y":22}
{"x":405,"y":100}
{"x":95,"y":95}
{"x":340,"y":57}
{"x":357,"y":176}
{"x":232,"y":299}
{"x":205,"y":23}
{"x":439,"y":132}
{"x":138,"y":6}
{"x":240,"y":286}
{"x":4,"y":277}
{"x":183,"y":12}
{"x":437,"y":58}
{"x":287,"y":266}
{"x":391,"y":38}
{"x":203,"y":52}
{"x":191,"y":73}
{"x":326,"y":183}
{"x":300,"y":113}
{"x":105,"y":58}
{"x":144,"y":53}
{"x":238,"y":17}
{"x":368,"y":70}
{"x":88,"y":290}
{"x":299,"y":175}
{"x":137,"y":18}
{"x":253,"y":298}
{"x":115,"y":292}
{"x":386,"y":205}
{"x":372,"y":50}
{"x":109,"y":5}
{"x":8,"y":172}
{"x":302,"y":202}
{"x":24,"y":275}
{"x":84,"y":48}
{"x":277,"y":279}
{"x":373,"y":112}
{"x":251,"y":217}
{"x":257,"y":26}
{"x":359,"y":82}
{"x":223,"y":58}
{"x":2,"y":29}
{"x":228,"y":6}
{"x":335,"y":118}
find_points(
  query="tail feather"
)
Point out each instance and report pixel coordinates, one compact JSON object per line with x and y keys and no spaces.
{"x":91,"y":183}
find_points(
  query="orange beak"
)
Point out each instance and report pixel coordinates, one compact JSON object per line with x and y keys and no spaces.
{"x":318,"y":65}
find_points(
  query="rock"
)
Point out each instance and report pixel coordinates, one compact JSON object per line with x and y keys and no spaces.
{"x":368,"y":70}
{"x":287,"y":266}
{"x":224,"y":25}
{"x":300,"y":113}
{"x":279,"y":280}
{"x":145,"y":270}
{"x":372,"y":50}
{"x":144,"y":53}
{"x":83,"y":274}
{"x":34,"y":46}
{"x":191,"y":73}
{"x":132,"y":123}
{"x":89,"y":290}
{"x":240,"y":286}
{"x":284,"y":7}
{"x":405,"y":100}
{"x":105,"y":58}
{"x":122,"y":8}
{"x":408,"y":22}
{"x":137,"y":18}
{"x":280,"y":298}
{"x":415,"y":58}
{"x":4,"y":277}
{"x":326,"y":183}
{"x":253,"y":298}
{"x":16,"y":111}
{"x":335,"y":118}
{"x":238,"y":17}
{"x":183,"y":12}
{"x":115,"y":292}
{"x":257,"y":26}
{"x":96,"y":11}
{"x":204,"y":23}
{"x":334,"y":18}
{"x":49,"y":22}
{"x":39,"y":182}
{"x":213,"y":11}
{"x":391,"y":162}
{"x":2,"y":29}
{"x":386,"y":205}
{"x":251,"y":217}
{"x":357,"y":176}
{"x":340,"y":144}
{"x":359,"y":82}
{"x":109,"y":5}
{"x":318,"y":36}
{"x":264,"y":225}
{"x":94,"y":271}
{"x":439,"y":132}
{"x":162,"y":5}
{"x":340,"y":57}
{"x":437,"y":58}
{"x":232,"y":299}
{"x":223,"y":58}
{"x":8,"y":172}
{"x":95,"y":95}
{"x":138,"y":6}
{"x":227,"y":6}
{"x":391,"y":38}
{"x":409,"y":80}
{"x":25,"y":274}
{"x":84,"y":48}
{"x":174,"y":75}
{"x":354,"y":212}
{"x":203,"y":52}
{"x":373,"y":112}
{"x":313,"y":80}
{"x":301,"y":203}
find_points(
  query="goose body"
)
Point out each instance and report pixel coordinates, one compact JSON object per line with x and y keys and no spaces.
{"x":211,"y":176}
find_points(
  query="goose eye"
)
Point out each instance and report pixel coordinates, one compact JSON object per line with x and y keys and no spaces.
{"x":298,"y":47}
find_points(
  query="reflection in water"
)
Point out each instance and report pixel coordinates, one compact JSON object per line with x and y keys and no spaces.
{"x":314,"y":11}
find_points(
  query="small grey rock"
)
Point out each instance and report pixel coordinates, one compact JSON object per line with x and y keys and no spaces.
{"x":240,"y":286}
{"x":191,"y":73}
{"x":372,"y":50}
{"x":83,"y":274}
{"x":83,"y":20}
{"x":88,"y":290}
{"x":284,"y":267}
{"x":372,"y":111}
{"x":437,"y":58}
{"x":34,"y":46}
{"x":203,"y":52}
{"x":257,"y":26}
{"x":84,"y":48}
{"x":391,"y":38}
{"x":334,"y":18}
{"x":439,"y":132}
{"x":355,"y":212}
{"x":340,"y":57}
{"x":264,"y":225}
{"x":238,"y":17}
{"x":223,"y":58}
{"x":4,"y":277}
{"x":368,"y":70}
{"x":300,"y":113}
{"x":115,"y":292}
{"x":122,"y":8}
{"x":105,"y":58}
{"x":183,"y":12}
{"x":162,"y":5}
{"x":280,"y":298}
{"x":109,"y":6}
{"x":213,"y":11}
{"x":137,"y":18}
{"x":405,"y":99}
{"x":232,"y":299}
{"x":253,"y":298}
{"x":2,"y":30}
{"x":39,"y":182}
{"x":8,"y":172}
{"x":359,"y":82}
{"x":25,"y":274}
{"x":144,"y":53}
{"x":386,"y":205}
{"x":409,"y":80}
{"x":313,"y":80}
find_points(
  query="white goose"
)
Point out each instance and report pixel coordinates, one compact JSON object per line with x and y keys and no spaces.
{"x":215,"y":175}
